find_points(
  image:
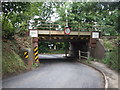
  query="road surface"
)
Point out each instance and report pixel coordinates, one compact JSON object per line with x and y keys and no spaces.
{"x":57,"y":73}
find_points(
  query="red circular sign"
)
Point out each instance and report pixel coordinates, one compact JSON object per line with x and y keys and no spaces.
{"x":67,"y":31}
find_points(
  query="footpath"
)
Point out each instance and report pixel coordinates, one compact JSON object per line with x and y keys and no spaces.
{"x":112,"y":77}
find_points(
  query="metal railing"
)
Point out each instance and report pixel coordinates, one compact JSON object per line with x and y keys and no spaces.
{"x":49,"y":25}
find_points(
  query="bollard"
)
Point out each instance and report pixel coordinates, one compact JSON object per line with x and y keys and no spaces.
{"x":88,"y":55}
{"x":79,"y":55}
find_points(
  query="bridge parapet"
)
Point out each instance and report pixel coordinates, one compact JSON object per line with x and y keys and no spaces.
{"x":53,"y":32}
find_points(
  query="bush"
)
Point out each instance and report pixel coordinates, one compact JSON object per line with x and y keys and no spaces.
{"x":7,"y":29}
{"x":111,"y":57}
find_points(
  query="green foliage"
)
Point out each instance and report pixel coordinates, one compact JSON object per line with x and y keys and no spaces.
{"x":43,"y":47}
{"x":60,"y":47}
{"x":35,"y":65}
{"x":8,"y":29}
{"x":13,"y":15}
{"x":111,"y":58}
{"x":91,"y":59}
{"x":14,"y":6}
{"x":100,"y":16}
{"x":17,"y":15}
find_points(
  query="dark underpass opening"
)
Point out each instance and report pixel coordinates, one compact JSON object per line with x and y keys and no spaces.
{"x":53,"y":47}
{"x":53,"y":51}
{"x":50,"y":52}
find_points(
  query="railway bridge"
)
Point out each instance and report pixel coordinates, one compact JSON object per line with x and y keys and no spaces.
{"x":79,"y":41}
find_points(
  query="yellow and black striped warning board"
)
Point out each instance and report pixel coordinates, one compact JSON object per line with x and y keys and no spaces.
{"x":26,"y":55}
{"x":36,"y":54}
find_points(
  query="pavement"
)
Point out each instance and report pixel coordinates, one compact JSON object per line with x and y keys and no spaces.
{"x":57,"y":72}
{"x":112,"y":76}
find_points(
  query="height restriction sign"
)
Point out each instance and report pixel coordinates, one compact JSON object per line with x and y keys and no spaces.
{"x":67,"y":31}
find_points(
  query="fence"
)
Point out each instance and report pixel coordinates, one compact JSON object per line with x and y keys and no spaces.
{"x":58,"y":25}
{"x":84,"y":56}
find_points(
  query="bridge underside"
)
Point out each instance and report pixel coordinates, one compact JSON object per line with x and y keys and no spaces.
{"x":60,"y":38}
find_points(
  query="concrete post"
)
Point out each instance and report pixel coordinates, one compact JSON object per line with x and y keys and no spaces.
{"x":30,"y":61}
{"x":31,"y":57}
{"x":88,"y":54}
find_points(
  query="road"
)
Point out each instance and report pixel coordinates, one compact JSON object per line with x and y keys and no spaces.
{"x":57,"y":73}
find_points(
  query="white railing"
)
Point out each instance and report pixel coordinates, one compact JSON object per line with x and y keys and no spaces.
{"x":85,"y":57}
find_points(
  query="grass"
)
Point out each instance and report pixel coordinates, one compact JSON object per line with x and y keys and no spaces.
{"x":111,"y":58}
{"x":11,"y":61}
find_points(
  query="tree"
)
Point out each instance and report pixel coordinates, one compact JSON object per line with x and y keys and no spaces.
{"x":91,"y":16}
{"x":13,"y":16}
{"x":44,"y":22}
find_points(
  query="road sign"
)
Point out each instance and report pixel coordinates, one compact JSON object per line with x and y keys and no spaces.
{"x":67,"y":31}
{"x":33,"y":33}
{"x":95,"y":35}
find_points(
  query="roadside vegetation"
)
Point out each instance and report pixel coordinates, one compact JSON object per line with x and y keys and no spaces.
{"x":11,"y":61}
{"x":112,"y":53}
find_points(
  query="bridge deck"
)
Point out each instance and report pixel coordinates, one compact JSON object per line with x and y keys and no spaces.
{"x":52,"y":32}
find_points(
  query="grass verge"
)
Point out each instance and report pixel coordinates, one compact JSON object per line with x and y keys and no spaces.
{"x":11,"y":61}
